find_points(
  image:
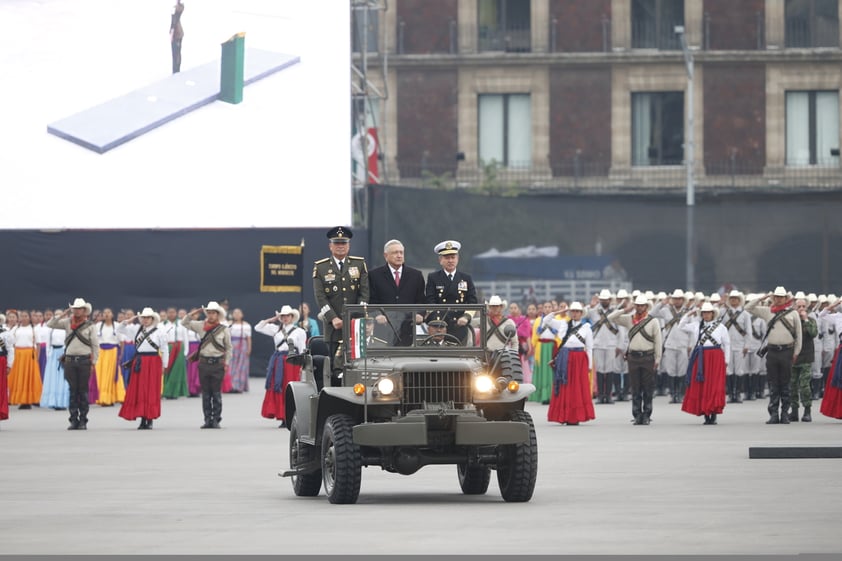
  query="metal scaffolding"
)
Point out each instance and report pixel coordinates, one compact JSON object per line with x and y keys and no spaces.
{"x":368,"y":41}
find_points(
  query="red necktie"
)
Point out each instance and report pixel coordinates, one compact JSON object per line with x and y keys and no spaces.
{"x":397,"y":278}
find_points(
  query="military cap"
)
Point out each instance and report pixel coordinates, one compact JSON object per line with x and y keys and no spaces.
{"x":340,"y":234}
{"x":448,"y":247}
{"x":435,"y":319}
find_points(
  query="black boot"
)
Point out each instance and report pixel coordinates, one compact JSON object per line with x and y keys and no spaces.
{"x":807,"y":418}
{"x":793,"y":414}
{"x":773,"y":419}
{"x":761,"y":386}
{"x":738,"y":387}
{"x":609,"y":380}
{"x":707,"y":420}
{"x":729,"y":387}
{"x":216,"y":405}
{"x":674,"y":389}
{"x":713,"y":419}
{"x":142,"y":425}
{"x":74,"y":423}
{"x":149,"y":424}
{"x":600,"y":387}
{"x":749,"y":387}
{"x":815,"y":384}
{"x":207,"y":410}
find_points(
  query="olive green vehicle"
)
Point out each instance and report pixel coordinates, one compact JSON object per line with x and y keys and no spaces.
{"x":403,"y":402}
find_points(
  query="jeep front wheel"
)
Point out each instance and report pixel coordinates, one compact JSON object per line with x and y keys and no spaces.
{"x":341,"y":462}
{"x":517,"y":469}
{"x":300,"y":454}
{"x":473,"y":479}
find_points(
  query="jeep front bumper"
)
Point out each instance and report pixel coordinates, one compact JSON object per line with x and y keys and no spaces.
{"x":412,"y":430}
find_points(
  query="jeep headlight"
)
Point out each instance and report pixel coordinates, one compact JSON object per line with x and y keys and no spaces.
{"x":385,"y":386}
{"x":483,"y":384}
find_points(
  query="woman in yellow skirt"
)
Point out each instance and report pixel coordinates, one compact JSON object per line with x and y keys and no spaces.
{"x":25,"y":376}
{"x":108,"y":379}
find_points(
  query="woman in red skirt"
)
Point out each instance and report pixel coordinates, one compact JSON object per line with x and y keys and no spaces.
{"x":143,"y":396}
{"x":289,"y":339}
{"x":832,"y":400}
{"x":705,"y":380}
{"x":571,"y":400}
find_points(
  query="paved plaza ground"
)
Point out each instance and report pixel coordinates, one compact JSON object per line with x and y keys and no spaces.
{"x":603,"y":487}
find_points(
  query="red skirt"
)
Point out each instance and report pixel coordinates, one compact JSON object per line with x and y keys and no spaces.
{"x":143,"y":397}
{"x":832,"y":400}
{"x":573,"y":404}
{"x":273,"y":402}
{"x":4,"y":391}
{"x":708,"y":397}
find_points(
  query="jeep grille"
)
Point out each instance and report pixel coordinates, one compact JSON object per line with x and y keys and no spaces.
{"x":435,"y":387}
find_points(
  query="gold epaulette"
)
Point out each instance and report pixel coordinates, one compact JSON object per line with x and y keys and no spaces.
{"x":355,"y":257}
{"x":325,"y":260}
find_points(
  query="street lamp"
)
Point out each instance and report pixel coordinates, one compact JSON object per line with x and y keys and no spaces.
{"x":689,"y":161}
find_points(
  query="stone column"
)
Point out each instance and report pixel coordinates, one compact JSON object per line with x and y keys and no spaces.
{"x":540,"y":25}
{"x":467,"y":24}
{"x":621,"y":25}
{"x":775,"y":19}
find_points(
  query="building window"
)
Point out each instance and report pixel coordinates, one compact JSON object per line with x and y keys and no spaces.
{"x":364,"y":27}
{"x":504,"y":25}
{"x":653,"y":24}
{"x":812,"y":128}
{"x":812,"y":23}
{"x":505,"y":129}
{"x":657,"y":128}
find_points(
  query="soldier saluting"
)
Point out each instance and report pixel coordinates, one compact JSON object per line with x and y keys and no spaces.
{"x":338,"y":280}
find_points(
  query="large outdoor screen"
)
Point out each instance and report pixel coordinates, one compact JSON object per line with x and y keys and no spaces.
{"x":279,"y":159}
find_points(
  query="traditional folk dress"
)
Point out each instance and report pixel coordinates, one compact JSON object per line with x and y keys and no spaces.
{"x":547,"y":335}
{"x":56,"y":391}
{"x":127,"y":351}
{"x":832,"y":401}
{"x":279,"y":372}
{"x":42,"y":337}
{"x":571,"y":400}
{"x":143,"y":396}
{"x":108,"y":379}
{"x":194,"y":387}
{"x":7,"y":359}
{"x":240,"y":362}
{"x":25,"y":377}
{"x":705,"y":378}
{"x":175,"y":377}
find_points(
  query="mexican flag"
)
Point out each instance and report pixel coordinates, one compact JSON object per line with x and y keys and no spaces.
{"x":357,"y":345}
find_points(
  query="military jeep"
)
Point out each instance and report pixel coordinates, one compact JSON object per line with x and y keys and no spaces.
{"x":404,"y":399}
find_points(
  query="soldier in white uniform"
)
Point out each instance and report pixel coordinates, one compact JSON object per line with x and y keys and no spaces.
{"x":676,"y":343}
{"x":605,"y":344}
{"x":622,"y":388}
{"x":754,"y":365}
{"x":496,"y":326}
{"x":738,"y":323}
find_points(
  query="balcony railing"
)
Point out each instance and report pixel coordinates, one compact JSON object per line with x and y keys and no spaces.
{"x":802,"y":34}
{"x":578,"y":175}
{"x":648,"y":35}
{"x":510,"y":39}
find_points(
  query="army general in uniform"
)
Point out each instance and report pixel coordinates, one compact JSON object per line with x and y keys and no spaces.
{"x":338,"y":280}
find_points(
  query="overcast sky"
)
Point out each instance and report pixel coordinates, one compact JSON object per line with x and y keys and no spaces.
{"x":279,"y":159}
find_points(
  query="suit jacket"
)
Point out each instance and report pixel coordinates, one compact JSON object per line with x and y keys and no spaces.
{"x":383,"y":291}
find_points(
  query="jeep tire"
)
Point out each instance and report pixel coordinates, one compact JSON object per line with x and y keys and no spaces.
{"x":517,"y":469}
{"x":304,"y":484}
{"x":341,"y":462}
{"x":510,"y":365}
{"x":473,"y":479}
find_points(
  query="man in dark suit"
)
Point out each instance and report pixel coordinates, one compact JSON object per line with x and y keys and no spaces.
{"x":449,"y":286}
{"x":395,"y":283}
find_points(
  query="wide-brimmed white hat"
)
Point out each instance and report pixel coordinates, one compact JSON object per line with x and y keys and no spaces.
{"x":622,"y":293}
{"x":707,"y":307}
{"x":699,"y":296}
{"x":150,"y":313}
{"x":812,"y":297}
{"x":735,"y":294}
{"x":779,"y":291}
{"x":604,"y":294}
{"x":641,"y":300}
{"x":822,"y":298}
{"x":661,"y":295}
{"x":678,"y":293}
{"x":715,"y":297}
{"x":649,"y":295}
{"x":80,"y":303}
{"x":495,"y":301}
{"x":800,"y":295}
{"x":576,"y":307}
{"x":688,"y":295}
{"x":289,"y":311}
{"x":214,"y":306}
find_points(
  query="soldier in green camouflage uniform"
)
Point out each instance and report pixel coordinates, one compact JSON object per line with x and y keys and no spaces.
{"x":801,"y":370}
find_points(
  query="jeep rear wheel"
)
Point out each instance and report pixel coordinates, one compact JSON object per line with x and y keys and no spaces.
{"x":304,"y":484}
{"x":473,"y":479}
{"x":517,"y":469}
{"x":341,"y":462}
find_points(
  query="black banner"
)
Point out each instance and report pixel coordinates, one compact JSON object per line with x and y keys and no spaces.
{"x":280,"y":268}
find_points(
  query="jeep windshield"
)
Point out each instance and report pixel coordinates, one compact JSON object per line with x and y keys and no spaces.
{"x":370,"y":330}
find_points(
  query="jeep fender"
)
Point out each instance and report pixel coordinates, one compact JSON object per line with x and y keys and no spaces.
{"x":297,"y":399}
